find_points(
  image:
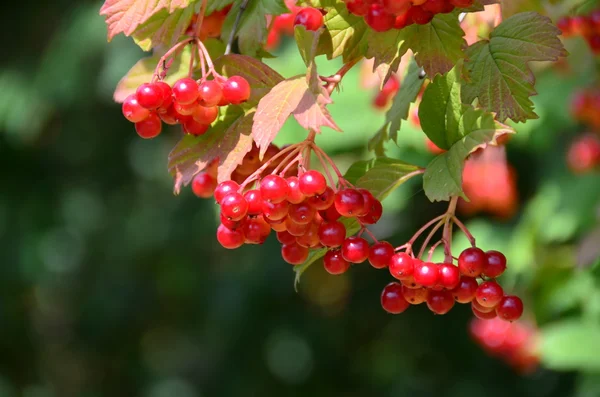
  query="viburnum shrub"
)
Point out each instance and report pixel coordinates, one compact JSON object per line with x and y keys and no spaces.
{"x":206,"y":74}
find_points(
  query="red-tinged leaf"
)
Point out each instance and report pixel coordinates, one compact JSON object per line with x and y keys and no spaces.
{"x":228,"y":140}
{"x":311,"y":112}
{"x":124,"y":16}
{"x":164,"y":28}
{"x":260,"y":76}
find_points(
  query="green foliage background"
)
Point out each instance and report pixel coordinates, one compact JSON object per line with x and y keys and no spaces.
{"x":111,"y":286}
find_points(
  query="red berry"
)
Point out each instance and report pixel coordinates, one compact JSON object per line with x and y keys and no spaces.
{"x":285,"y":237}
{"x":310,"y":18}
{"x":483,"y":315}
{"x":133,"y":111}
{"x":312,"y":183}
{"x":358,"y":7}
{"x":193,"y":127}
{"x":185,"y":110}
{"x":275,"y":211}
{"x":415,"y":296}
{"x":392,"y":299}
{"x":471,"y":262}
{"x":396,"y":7}
{"x":294,"y":254}
{"x":449,"y":276}
{"x":169,"y":116}
{"x":274,"y":188}
{"x":254,"y":202}
{"x":419,"y":15}
{"x":510,"y":308}
{"x":301,"y":213}
{"x":374,"y":214}
{"x":435,"y":6}
{"x":409,"y":282}
{"x":224,"y":188}
{"x":489,"y":294}
{"x":167,"y":94}
{"x":231,"y":224}
{"x":205,"y":115}
{"x":256,"y":230}
{"x":230,"y":239}
{"x":310,"y":238}
{"x":355,"y":249}
{"x":185,"y":91}
{"x":462,"y":3}
{"x":204,"y":184}
{"x":426,"y":274}
{"x":330,"y":214}
{"x":149,"y":96}
{"x":594,"y":43}
{"x":210,"y":93}
{"x":440,"y":302}
{"x":324,"y":200}
{"x":236,"y":90}
{"x":403,"y":20}
{"x":380,"y":254}
{"x":349,"y":202}
{"x":296,"y":229}
{"x":564,"y":24}
{"x":295,"y":196}
{"x":495,"y":264}
{"x":475,"y":305}
{"x":150,"y":127}
{"x":401,"y":266}
{"x":334,"y":263}
{"x":234,"y":206}
{"x":464,"y":292}
{"x":378,"y":19}
{"x":332,"y":234}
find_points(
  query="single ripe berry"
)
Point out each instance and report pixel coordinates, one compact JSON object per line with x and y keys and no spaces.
{"x":210,"y":93}
{"x":185,"y":110}
{"x":380,"y":254}
{"x":133,"y":111}
{"x":274,"y":211}
{"x":449,"y":276}
{"x":471,"y":262}
{"x":301,"y":213}
{"x":193,"y":127}
{"x":150,"y":127}
{"x":274,"y":188}
{"x":204,"y":184}
{"x":392,"y":299}
{"x":483,"y":315}
{"x":334,"y":263}
{"x":296,"y":229}
{"x":330,"y":214}
{"x":295,"y":196}
{"x":489,"y":294}
{"x":310,"y":18}
{"x":236,"y":90}
{"x":358,"y":7}
{"x":409,"y":282}
{"x":256,"y":230}
{"x":355,"y":249}
{"x":234,"y":206}
{"x":378,"y":19}
{"x":324,"y":200}
{"x":419,"y":15}
{"x":310,"y":238}
{"x":495,"y":264}
{"x":205,"y":115}
{"x":332,"y":234}
{"x":185,"y":91}
{"x":284,"y":237}
{"x":349,"y":202}
{"x":312,"y":183}
{"x":440,"y":302}
{"x":149,"y":96}
{"x":435,"y":6}
{"x":368,"y":201}
{"x":464,"y":292}
{"x":415,"y":296}
{"x":254,"y":200}
{"x":229,"y":238}
{"x":426,"y":274}
{"x":224,"y":188}
{"x":374,"y":214}
{"x":482,"y":309}
{"x":294,"y":254}
{"x":396,"y":7}
{"x":510,"y":308}
{"x":401,"y":266}
{"x":167,"y":95}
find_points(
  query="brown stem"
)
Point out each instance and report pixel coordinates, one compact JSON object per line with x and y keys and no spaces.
{"x":447,"y":235}
{"x":200,"y":18}
{"x":335,"y":80}
{"x":431,"y":234}
{"x":234,"y":28}
{"x":266,"y":165}
{"x":176,"y":48}
{"x":464,"y":229}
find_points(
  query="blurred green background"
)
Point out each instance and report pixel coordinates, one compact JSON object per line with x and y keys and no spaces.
{"x":112,"y":286}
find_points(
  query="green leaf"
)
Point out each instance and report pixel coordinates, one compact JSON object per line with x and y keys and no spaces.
{"x":499,"y":70}
{"x":346,"y":34}
{"x":387,"y":50}
{"x":252,"y":28}
{"x":164,"y":28}
{"x":570,"y":345}
{"x":216,"y":5}
{"x":307,"y":41}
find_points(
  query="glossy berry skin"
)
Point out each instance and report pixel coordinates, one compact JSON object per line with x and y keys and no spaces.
{"x":330,"y":214}
{"x":274,"y":211}
{"x":230,"y":239}
{"x":419,"y":15}
{"x":167,"y":94}
{"x":301,"y":213}
{"x":449,"y":276}
{"x":295,"y":196}
{"x":489,"y":294}
{"x":358,"y":7}
{"x":149,"y":96}
{"x":296,"y":229}
{"x":185,"y":91}
{"x":401,"y":266}
{"x":224,"y":188}
{"x":294,"y":254}
{"x":254,"y":200}
{"x":392,"y":299}
{"x":205,"y":115}
{"x":204,"y":184}
{"x":285,"y":238}
{"x":355,"y":249}
{"x":310,"y":18}
{"x":193,"y":127}
{"x":409,"y":282}
{"x":396,"y":7}
{"x":464,"y":292}
{"x":332,"y":234}
{"x":374,"y":214}
{"x":236,"y":90}
{"x":462,"y":3}
{"x":312,"y":183}
{"x":133,"y":111}
{"x":426,"y":274}
{"x":378,"y":19}
{"x":334,"y":263}
{"x":349,"y":202}
{"x":510,"y":308}
{"x":234,"y":206}
{"x":483,"y":309}
{"x":150,"y":127}
{"x":274,"y":188}
{"x":310,"y":238}
{"x":324,"y":200}
{"x":440,"y":302}
{"x":435,"y":6}
{"x":210,"y":93}
{"x":380,"y":254}
{"x":415,"y":296}
{"x":495,"y":264}
{"x":471,"y":262}
{"x":256,"y":230}
{"x":483,"y":315}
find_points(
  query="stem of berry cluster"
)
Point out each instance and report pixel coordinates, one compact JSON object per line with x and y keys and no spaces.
{"x":267,"y":164}
{"x":327,"y":161}
{"x":464,"y":229}
{"x":431,"y":234}
{"x":335,"y":80}
{"x":414,"y":238}
{"x":209,"y":63}
{"x":172,"y":51}
{"x":200,"y":18}
{"x":365,"y":230}
{"x":234,"y":28}
{"x":447,"y":235}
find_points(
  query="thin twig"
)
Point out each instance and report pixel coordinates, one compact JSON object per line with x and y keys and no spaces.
{"x":464,"y":230}
{"x":430,"y":236}
{"x":200,"y":18}
{"x":238,"y":17}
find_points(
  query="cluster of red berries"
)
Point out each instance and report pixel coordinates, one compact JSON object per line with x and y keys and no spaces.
{"x":383,"y":15}
{"x":441,"y":285}
{"x":387,"y":93}
{"x":584,"y":153}
{"x":310,"y":18}
{"x":585,"y":107}
{"x":192,"y":103}
{"x":587,"y":26}
{"x":515,"y":343}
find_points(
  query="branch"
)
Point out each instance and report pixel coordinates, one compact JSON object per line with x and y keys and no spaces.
{"x":234,"y":28}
